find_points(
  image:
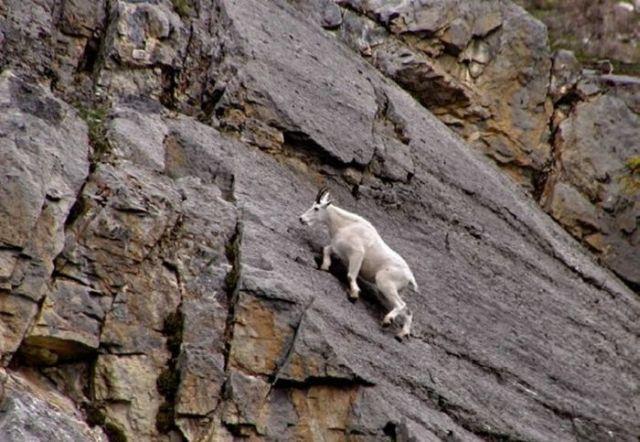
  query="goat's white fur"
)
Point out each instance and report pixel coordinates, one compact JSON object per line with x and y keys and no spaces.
{"x":357,"y":243}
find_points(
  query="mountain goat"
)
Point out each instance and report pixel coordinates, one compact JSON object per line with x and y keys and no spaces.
{"x":357,"y":243}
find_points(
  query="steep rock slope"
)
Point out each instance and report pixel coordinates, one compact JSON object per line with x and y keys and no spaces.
{"x":485,"y":70}
{"x":481,"y":67}
{"x":177,"y":297}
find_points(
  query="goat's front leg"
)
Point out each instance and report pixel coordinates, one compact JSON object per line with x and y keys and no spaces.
{"x":355,"y":262}
{"x":326,"y":258}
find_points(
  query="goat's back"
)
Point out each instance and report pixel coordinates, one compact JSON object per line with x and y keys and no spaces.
{"x":377,"y":254}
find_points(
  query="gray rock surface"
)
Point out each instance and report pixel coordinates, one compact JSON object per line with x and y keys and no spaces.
{"x":606,"y":29}
{"x":172,"y":294}
{"x":565,"y":73}
{"x":595,"y":143}
{"x":32,"y":411}
{"x":482,"y":67}
{"x":44,"y":161}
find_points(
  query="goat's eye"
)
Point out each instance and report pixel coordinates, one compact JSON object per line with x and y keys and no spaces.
{"x":315,"y":208}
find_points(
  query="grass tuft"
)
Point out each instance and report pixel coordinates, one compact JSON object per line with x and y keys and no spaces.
{"x":633,"y":165}
{"x":182,"y":7}
{"x":95,"y":117}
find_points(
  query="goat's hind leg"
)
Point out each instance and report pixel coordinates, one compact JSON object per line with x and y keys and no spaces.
{"x":387,"y":285}
{"x":406,"y":327}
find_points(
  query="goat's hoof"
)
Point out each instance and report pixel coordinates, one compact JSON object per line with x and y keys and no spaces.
{"x":353,"y":298}
{"x":388,"y":320}
{"x":402,"y":336}
{"x":325,"y":268}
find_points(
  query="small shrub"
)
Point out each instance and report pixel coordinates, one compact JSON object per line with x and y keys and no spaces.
{"x":633,"y":165}
{"x":631,"y":179}
{"x":94,"y":415}
{"x":182,"y":7}
{"x":95,"y":118}
{"x":168,"y":383}
{"x":114,"y":432}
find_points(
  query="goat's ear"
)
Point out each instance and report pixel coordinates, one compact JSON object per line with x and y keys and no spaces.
{"x":325,"y":199}
{"x":321,"y":193}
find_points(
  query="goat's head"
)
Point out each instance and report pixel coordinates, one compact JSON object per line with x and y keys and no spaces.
{"x":318,"y":211}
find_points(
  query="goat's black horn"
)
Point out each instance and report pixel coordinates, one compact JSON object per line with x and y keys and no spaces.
{"x":321,"y":192}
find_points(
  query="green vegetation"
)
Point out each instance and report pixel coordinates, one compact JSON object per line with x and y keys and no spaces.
{"x":590,"y":60}
{"x":621,"y":68}
{"x":168,"y":383}
{"x":95,"y":118}
{"x":231,"y":279}
{"x":548,"y":4}
{"x":232,"y":253}
{"x":182,"y":7}
{"x":165,"y":418}
{"x":95,"y":416}
{"x":114,"y":433}
{"x":633,"y":165}
{"x":631,"y":180}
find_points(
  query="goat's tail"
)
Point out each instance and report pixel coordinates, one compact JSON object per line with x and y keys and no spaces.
{"x":413,"y":282}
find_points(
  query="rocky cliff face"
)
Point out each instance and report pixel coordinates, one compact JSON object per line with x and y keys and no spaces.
{"x":595,"y":30}
{"x":481,"y":67}
{"x":484,"y":69}
{"x":594,"y":186}
{"x":156,"y":284}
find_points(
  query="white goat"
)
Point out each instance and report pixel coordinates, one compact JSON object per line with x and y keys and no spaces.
{"x":357,"y":243}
